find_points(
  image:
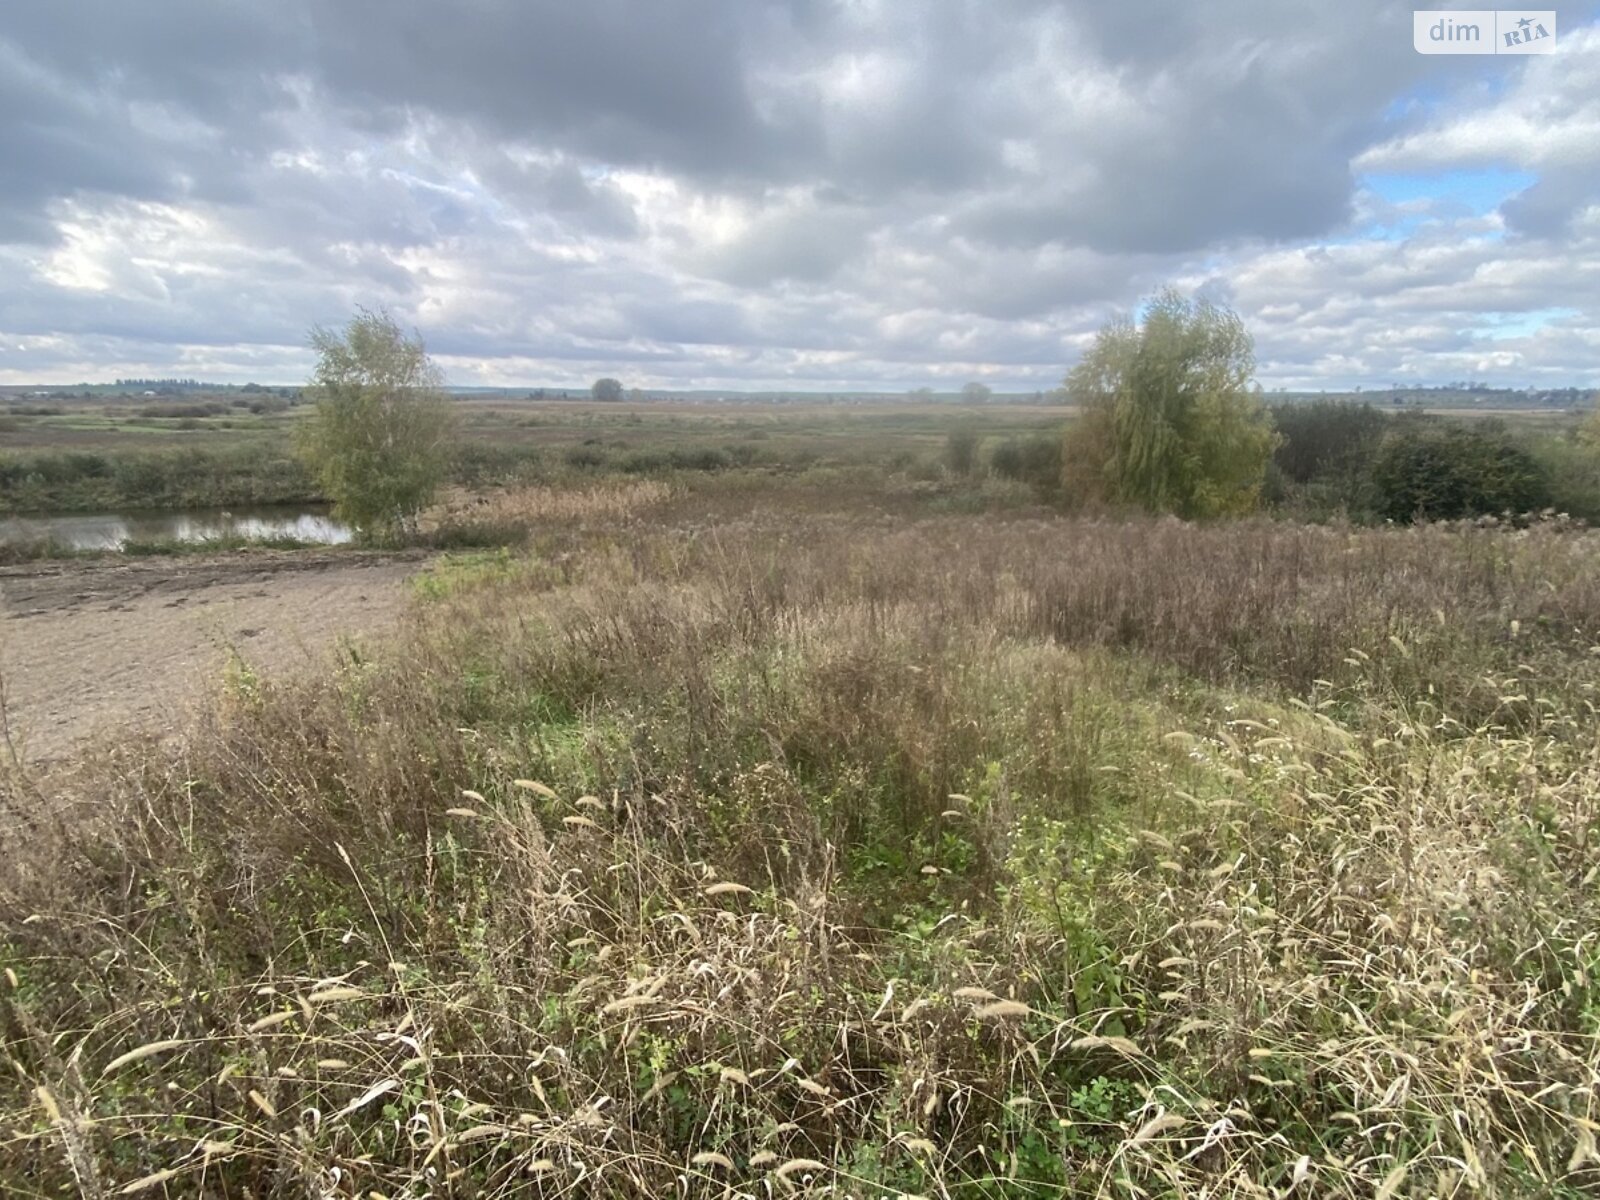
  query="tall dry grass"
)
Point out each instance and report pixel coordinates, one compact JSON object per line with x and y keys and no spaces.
{"x":533,"y":504}
{"x":798,"y":856}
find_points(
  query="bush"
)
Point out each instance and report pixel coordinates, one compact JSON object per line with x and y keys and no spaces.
{"x":585,"y":457}
{"x":1571,"y":467}
{"x":1034,"y":460}
{"x":706,"y":458}
{"x":1439,"y":472}
{"x":649,"y":462}
{"x":1322,"y":467}
{"x":183,"y":411}
{"x":492,"y":464}
{"x":961,"y":451}
{"x":644,"y":462}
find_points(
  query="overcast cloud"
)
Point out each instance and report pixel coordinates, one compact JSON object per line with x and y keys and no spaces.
{"x":788,"y":193}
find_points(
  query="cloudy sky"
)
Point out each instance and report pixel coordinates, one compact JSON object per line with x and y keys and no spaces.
{"x":797,"y":194}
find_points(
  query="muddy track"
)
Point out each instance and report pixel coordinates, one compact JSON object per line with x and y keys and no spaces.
{"x":92,"y":648}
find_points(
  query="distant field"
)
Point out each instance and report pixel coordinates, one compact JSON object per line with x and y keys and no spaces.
{"x":98,"y":425}
{"x":834,"y":431}
{"x":118,"y":424}
{"x":106,"y":454}
{"x":112,"y":454}
{"x":1531,"y":417}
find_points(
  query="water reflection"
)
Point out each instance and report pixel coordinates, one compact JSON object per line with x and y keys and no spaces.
{"x":111,"y":531}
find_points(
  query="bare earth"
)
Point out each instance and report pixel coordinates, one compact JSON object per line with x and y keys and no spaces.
{"x":95,"y":646}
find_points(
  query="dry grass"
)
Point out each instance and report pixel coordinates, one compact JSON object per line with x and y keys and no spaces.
{"x":779,"y":856}
{"x":606,"y":500}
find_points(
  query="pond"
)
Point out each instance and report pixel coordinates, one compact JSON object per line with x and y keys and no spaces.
{"x":112,"y":531}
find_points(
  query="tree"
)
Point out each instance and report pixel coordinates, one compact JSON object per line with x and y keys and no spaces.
{"x":1589,"y":431}
{"x":961,"y":450}
{"x":1436,"y":471}
{"x":1323,"y":438}
{"x":1323,"y":461}
{"x":379,"y":436}
{"x":609,"y":390}
{"x":1171,"y":421}
{"x":977,"y":393}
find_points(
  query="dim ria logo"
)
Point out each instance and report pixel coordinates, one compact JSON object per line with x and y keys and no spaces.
{"x":1483,"y":31}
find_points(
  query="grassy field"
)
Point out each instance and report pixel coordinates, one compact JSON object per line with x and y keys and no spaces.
{"x":94,"y":456}
{"x":796,"y":833}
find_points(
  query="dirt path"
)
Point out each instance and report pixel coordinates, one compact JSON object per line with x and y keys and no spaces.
{"x":88,"y":646}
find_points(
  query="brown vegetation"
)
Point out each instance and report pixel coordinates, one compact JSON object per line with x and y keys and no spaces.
{"x":958,"y":857}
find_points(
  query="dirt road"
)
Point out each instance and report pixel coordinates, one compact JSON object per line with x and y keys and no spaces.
{"x":94,"y":646}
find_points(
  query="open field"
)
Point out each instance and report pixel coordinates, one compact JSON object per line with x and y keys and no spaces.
{"x":99,"y":456}
{"x":810,"y":835}
{"x":96,"y":457}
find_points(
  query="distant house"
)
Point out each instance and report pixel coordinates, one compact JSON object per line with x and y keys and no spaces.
{"x":147,"y":393}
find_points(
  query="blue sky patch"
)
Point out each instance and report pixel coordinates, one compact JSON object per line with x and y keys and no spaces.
{"x":1503,"y":325}
{"x":1475,"y":192}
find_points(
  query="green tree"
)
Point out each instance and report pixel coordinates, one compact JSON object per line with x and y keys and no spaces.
{"x":609,"y":390}
{"x":977,"y":393}
{"x":961,"y":450}
{"x":1589,"y":431}
{"x":1323,"y":462}
{"x":1439,"y":471}
{"x":1318,"y":439}
{"x":378,"y":439}
{"x":1171,"y":421}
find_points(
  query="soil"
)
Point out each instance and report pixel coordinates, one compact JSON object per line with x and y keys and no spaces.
{"x":94,"y":647}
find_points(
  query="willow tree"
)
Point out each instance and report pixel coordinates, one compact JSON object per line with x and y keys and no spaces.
{"x":378,"y":439}
{"x":1171,"y":421}
{"x":1589,"y":431}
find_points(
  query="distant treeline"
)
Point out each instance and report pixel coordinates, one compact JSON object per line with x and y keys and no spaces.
{"x":1452,"y":395}
{"x":176,"y":385}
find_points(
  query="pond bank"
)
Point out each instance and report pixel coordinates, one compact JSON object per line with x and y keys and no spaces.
{"x":129,"y":644}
